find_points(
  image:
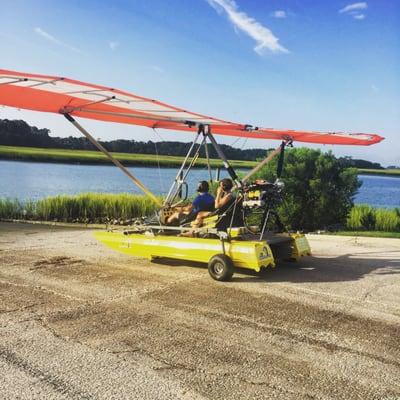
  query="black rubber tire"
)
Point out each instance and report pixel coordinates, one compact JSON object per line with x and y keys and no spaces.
{"x":220,"y":267}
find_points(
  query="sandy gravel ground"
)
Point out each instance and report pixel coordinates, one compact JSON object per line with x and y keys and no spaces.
{"x":78,"y":321}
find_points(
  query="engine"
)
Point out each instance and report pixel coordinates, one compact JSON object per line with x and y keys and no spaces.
{"x":261,"y":194}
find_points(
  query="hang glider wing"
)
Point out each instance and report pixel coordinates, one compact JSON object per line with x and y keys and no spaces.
{"x":66,"y":96}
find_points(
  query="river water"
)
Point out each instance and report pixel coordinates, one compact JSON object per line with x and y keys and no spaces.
{"x":33,"y":180}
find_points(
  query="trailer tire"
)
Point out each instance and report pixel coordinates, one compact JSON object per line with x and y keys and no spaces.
{"x":220,"y":267}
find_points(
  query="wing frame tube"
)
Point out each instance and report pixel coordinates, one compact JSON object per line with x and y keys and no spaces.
{"x":262,"y":163}
{"x":112,"y":159}
{"x":176,"y":184}
{"x":207,"y":133}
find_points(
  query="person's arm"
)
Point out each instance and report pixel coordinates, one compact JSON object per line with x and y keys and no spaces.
{"x":196,"y":205}
{"x":182,"y":208}
{"x":222,"y":198}
{"x":188,"y":208}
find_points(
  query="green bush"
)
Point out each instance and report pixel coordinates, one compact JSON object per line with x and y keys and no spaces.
{"x":319,"y":191}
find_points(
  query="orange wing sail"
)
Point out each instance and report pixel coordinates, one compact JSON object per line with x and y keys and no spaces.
{"x":66,"y":96}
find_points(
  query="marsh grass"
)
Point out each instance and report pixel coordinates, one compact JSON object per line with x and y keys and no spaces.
{"x":387,"y":220}
{"x":105,"y":207}
{"x":365,"y":218}
{"x":393,"y":235}
{"x":85,"y":207}
{"x":387,"y":172}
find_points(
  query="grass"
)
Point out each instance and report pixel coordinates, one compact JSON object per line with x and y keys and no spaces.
{"x":395,"y":235}
{"x":18,"y":153}
{"x":363,"y":220}
{"x":387,"y":172}
{"x":366,"y":218}
{"x":86,"y":207}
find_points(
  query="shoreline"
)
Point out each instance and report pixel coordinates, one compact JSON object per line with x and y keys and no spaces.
{"x":392,"y":173}
{"x":92,"y":157}
{"x":200,"y":164}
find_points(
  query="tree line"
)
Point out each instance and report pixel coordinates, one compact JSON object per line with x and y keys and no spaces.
{"x":20,"y":133}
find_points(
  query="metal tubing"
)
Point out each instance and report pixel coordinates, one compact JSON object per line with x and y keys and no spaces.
{"x":262,"y":163}
{"x":45,"y":82}
{"x":192,"y":162}
{"x":169,"y":197}
{"x":111,"y":158}
{"x":185,"y":174}
{"x":264,"y":224}
{"x":70,"y":109}
{"x":217,"y":173}
{"x":208,"y":159}
{"x":191,"y":121}
{"x":180,"y":189}
{"x":221,"y":155}
{"x":15,"y":81}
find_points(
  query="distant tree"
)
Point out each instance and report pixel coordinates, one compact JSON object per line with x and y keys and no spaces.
{"x":319,"y":190}
{"x":355,"y":163}
{"x":19,"y":133}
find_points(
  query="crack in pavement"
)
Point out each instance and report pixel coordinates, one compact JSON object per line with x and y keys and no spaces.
{"x":42,"y":289}
{"x":51,"y":380}
{"x":21,"y":308}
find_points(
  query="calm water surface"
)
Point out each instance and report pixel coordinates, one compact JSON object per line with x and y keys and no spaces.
{"x":33,"y":180}
{"x":26,"y":180}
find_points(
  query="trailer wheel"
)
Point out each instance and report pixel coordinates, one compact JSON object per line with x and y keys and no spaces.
{"x":220,"y":267}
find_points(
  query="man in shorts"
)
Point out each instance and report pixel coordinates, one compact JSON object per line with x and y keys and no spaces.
{"x":204,"y":201}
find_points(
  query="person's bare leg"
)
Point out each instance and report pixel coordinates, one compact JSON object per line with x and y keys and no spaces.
{"x":199,"y":219}
{"x":173,"y":218}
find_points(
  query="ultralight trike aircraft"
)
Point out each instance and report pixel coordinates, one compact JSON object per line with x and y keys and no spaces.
{"x":225,"y":239}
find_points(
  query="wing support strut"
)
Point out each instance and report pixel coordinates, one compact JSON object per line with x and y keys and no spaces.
{"x":206,"y":130}
{"x":112,"y":159}
{"x":181,"y":174}
{"x":266,"y":160}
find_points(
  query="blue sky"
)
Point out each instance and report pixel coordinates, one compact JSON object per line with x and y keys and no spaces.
{"x":326,"y":65}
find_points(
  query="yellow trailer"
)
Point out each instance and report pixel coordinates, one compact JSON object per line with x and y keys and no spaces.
{"x":222,"y":256}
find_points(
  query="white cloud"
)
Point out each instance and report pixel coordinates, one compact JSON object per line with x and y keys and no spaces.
{"x":374,"y":88}
{"x":358,"y":16}
{"x":56,"y":41}
{"x":279,"y":14}
{"x":112,"y":45}
{"x":354,"y":7}
{"x":263,"y":36}
{"x":157,"y":69}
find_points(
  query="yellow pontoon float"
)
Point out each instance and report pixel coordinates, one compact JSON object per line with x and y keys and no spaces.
{"x":226,"y":240}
